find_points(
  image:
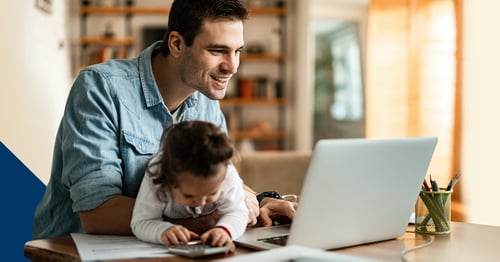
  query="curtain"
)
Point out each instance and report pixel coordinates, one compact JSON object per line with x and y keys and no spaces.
{"x":411,"y":76}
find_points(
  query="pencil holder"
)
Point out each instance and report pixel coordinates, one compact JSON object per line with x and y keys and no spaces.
{"x":433,"y":212}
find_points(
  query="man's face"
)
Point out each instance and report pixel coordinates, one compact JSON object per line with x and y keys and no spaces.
{"x":213,"y":58}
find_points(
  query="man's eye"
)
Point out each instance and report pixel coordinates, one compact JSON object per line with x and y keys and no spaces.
{"x":217,"y":51}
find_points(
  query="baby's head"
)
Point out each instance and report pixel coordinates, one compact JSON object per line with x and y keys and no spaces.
{"x":194,"y":160}
{"x":195,"y":146}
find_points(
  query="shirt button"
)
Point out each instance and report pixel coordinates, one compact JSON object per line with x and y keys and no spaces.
{"x":140,"y":146}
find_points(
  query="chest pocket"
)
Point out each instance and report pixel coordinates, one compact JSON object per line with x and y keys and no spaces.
{"x":136,"y":152}
{"x":140,"y":145}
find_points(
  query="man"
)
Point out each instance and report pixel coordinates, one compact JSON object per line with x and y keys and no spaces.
{"x":116,"y":112}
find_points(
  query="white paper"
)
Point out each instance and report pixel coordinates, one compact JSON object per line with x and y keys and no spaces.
{"x":99,"y":247}
{"x":296,"y":253}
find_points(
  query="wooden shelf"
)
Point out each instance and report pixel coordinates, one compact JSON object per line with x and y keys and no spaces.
{"x":258,"y":136}
{"x":116,"y":41}
{"x":267,"y":11}
{"x":262,"y":57}
{"x":149,"y":10}
{"x":273,"y":137}
{"x":252,"y":102}
{"x":121,"y":10}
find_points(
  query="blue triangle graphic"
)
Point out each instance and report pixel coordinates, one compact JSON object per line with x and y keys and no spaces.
{"x":20,"y":191}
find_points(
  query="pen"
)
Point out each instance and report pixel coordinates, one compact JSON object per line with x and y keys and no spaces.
{"x":434,"y":184}
{"x":426,"y":186}
{"x":454,"y":181}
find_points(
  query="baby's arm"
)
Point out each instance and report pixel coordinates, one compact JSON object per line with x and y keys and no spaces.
{"x":232,"y":210}
{"x":199,"y":224}
{"x":147,"y":218}
{"x":218,"y":236}
{"x":176,"y":235}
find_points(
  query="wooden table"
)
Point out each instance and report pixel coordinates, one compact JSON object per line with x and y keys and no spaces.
{"x":467,"y":242}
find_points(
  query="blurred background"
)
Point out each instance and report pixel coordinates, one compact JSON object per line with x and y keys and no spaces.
{"x":311,"y":70}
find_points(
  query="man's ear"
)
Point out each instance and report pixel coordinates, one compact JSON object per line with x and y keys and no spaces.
{"x":175,"y":42}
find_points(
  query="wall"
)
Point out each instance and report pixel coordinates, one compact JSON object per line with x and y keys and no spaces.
{"x":481,"y":127}
{"x":35,"y":79}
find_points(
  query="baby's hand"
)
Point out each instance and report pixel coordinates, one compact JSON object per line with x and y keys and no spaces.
{"x":176,"y":235}
{"x":217,"y":237}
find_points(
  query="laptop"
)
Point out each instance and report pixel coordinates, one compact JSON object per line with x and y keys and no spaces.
{"x":356,"y":191}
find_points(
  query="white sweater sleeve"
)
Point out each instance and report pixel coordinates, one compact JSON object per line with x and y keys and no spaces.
{"x":147,"y":218}
{"x":233,"y":211}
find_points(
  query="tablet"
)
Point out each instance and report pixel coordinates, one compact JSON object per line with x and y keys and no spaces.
{"x":197,"y":249}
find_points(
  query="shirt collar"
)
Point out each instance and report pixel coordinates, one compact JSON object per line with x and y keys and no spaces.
{"x":151,"y":91}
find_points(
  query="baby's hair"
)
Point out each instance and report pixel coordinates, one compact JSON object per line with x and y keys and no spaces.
{"x":195,"y":146}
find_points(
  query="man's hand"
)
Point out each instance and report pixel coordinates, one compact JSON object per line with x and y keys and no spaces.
{"x":252,"y":205}
{"x":272,"y":208}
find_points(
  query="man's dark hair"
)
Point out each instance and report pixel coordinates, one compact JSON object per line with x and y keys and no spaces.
{"x":187,"y":16}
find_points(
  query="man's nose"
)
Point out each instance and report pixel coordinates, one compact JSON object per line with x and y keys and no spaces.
{"x":231,"y":63}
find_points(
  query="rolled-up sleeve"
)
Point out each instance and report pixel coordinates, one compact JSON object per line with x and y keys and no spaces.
{"x":92,"y":165}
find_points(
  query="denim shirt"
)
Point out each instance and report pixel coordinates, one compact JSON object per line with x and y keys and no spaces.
{"x":112,"y":125}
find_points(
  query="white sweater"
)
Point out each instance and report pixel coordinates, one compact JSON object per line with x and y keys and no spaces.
{"x":147,"y":218}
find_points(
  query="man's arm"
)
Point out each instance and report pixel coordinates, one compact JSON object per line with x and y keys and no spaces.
{"x":113,"y":216}
{"x":110,"y":218}
{"x":252,"y":205}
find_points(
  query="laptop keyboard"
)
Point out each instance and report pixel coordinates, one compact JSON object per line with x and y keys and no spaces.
{"x":279,"y":240}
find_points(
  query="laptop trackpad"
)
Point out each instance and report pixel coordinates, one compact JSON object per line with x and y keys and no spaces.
{"x":263,"y":237}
